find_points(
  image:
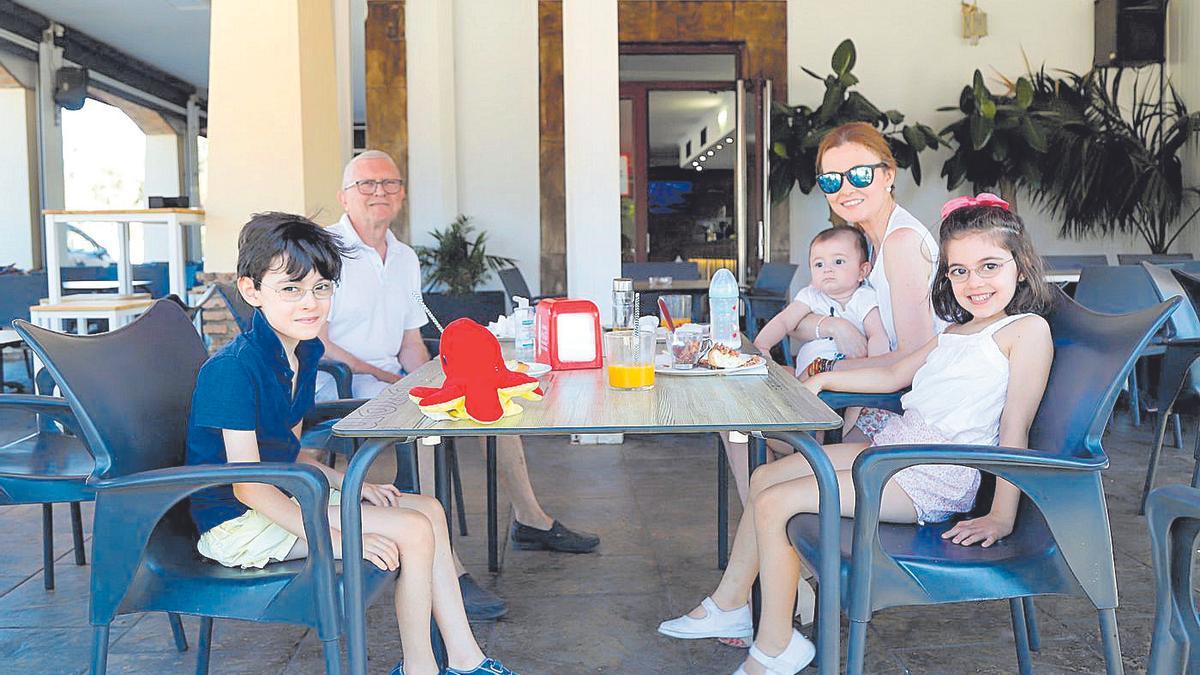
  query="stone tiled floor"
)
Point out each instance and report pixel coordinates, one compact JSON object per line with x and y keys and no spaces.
{"x":653,"y":501}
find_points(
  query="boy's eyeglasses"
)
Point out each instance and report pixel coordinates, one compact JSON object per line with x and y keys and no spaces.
{"x":322,"y":290}
{"x":390,"y":186}
{"x":859,"y":176}
{"x":959,"y":274}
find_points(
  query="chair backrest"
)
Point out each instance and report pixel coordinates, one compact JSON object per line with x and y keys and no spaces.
{"x":1118,"y":289}
{"x":775,"y":278}
{"x":514,"y":284}
{"x":242,"y":311}
{"x":1183,"y":321}
{"x":1061,"y":263}
{"x":19,"y":292}
{"x":130,"y":389}
{"x":1093,"y":354}
{"x":641,"y":271}
{"x":1138,"y":258}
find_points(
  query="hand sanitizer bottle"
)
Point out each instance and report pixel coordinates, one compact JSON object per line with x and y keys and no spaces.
{"x":523,"y":329}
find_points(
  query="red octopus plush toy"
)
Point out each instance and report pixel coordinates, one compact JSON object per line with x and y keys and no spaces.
{"x":478,"y":386}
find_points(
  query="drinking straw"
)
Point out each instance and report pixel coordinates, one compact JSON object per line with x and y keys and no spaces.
{"x":421,"y":302}
{"x":662,"y":307}
{"x":637,"y":328}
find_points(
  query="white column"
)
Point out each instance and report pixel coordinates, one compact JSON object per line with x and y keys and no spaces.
{"x":341,"y":64}
{"x":591,"y":134}
{"x":432,"y":170}
{"x":19,"y":219}
{"x":162,"y":180}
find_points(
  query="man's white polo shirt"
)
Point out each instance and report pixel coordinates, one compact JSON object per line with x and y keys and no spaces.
{"x":374,"y":303}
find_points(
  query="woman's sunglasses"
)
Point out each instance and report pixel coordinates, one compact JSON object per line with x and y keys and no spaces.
{"x":859,"y":176}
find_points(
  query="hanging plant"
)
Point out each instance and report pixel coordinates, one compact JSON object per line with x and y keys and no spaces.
{"x":797,"y":132}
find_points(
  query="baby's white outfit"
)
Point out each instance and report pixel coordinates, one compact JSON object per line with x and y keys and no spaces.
{"x":856,"y":310}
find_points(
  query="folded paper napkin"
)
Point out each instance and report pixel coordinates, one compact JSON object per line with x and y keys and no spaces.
{"x":503,"y":327}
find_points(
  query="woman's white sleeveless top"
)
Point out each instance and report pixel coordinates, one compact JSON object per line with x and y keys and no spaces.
{"x":961,"y":389}
{"x":900,"y":219}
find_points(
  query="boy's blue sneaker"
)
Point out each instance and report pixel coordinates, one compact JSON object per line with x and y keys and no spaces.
{"x":488,"y":667}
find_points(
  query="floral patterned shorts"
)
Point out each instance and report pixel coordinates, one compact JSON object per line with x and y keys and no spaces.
{"x":938,"y":491}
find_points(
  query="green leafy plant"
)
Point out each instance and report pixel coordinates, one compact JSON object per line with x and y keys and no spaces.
{"x":1000,"y":141}
{"x":1116,"y":168}
{"x":459,"y":263}
{"x":797,"y":132}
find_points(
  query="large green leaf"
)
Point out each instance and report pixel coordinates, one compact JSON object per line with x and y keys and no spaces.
{"x":832,"y":101}
{"x":987,"y":108}
{"x":1033,"y":135}
{"x":978,"y":87}
{"x":981,"y":131}
{"x":779,"y":149}
{"x":1024,"y":93}
{"x":843,"y":57}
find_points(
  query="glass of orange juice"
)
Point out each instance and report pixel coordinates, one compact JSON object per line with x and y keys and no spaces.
{"x":629,"y":359}
{"x":680,"y":307}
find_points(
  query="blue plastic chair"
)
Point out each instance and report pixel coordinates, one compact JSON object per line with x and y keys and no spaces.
{"x":1073,"y":263}
{"x":1120,"y":289}
{"x":1173,"y":518}
{"x":1179,"y":382}
{"x":1156,"y":258}
{"x":144,"y":543}
{"x":768,"y":297}
{"x":1061,"y":543}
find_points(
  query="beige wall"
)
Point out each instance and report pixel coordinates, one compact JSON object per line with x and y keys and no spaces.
{"x":1183,"y":66}
{"x":272,"y":118}
{"x":911,"y":58}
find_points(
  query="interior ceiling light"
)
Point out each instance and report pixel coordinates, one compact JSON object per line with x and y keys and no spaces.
{"x":699,"y":168}
{"x":703,"y":158}
{"x":729,"y":140}
{"x":719,"y":146}
{"x":711,"y":153}
{"x":695,"y":163}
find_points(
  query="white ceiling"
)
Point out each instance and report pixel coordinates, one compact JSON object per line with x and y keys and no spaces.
{"x":171,"y":35}
{"x":675,"y":114}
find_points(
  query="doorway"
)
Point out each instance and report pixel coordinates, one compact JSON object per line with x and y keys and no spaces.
{"x":693,"y":178}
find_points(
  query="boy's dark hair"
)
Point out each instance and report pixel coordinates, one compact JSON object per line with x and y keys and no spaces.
{"x":860,"y":239}
{"x":302,"y":246}
{"x":1033,"y":294}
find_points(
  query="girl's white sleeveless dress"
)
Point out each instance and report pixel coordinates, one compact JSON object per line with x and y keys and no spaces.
{"x":957,"y":397}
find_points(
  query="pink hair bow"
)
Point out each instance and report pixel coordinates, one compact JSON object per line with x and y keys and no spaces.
{"x":983,"y":199}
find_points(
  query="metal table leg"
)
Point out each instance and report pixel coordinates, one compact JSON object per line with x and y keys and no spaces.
{"x":756,"y":456}
{"x":441,"y":482}
{"x":492,"y":515}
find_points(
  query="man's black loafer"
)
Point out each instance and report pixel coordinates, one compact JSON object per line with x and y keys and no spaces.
{"x":557,"y":538}
{"x":480,"y":603}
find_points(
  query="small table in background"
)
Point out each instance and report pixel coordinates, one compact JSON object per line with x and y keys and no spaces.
{"x":117,"y":312}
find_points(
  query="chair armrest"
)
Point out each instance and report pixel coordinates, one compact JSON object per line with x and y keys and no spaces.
{"x":332,"y":410}
{"x":52,"y":407}
{"x":342,"y":376}
{"x":840,"y":400}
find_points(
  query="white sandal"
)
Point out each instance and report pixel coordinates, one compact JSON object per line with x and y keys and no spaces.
{"x":716,"y":623}
{"x":794,"y":658}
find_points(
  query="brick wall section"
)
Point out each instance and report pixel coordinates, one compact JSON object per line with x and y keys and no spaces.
{"x":219,"y":326}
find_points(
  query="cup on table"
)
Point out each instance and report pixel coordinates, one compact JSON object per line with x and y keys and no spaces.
{"x":687,"y":343}
{"x":680,"y":307}
{"x":660,"y":282}
{"x":629,"y":359}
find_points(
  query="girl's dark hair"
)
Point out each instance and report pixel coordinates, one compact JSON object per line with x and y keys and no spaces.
{"x":1033,"y":294}
{"x":299,"y":243}
{"x":860,"y":239}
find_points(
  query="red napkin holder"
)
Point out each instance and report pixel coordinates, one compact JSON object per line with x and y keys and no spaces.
{"x":568,"y":334}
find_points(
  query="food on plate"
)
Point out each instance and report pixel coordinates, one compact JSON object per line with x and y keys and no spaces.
{"x":519,"y":366}
{"x":721,"y":357}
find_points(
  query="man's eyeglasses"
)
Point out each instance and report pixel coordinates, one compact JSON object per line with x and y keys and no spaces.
{"x":859,"y":176}
{"x":390,"y":186}
{"x":322,"y":290}
{"x":958,"y":274}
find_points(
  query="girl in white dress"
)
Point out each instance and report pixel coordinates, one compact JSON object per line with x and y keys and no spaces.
{"x":980,"y":382}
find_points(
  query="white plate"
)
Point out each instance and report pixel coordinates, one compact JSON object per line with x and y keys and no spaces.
{"x":662,"y":365}
{"x":535,"y":369}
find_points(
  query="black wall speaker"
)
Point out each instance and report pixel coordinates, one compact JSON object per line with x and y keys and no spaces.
{"x":70,"y":87}
{"x":1130,"y":32}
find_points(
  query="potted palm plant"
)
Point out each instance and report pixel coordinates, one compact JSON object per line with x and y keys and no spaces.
{"x":453,"y":268}
{"x":797,"y":131}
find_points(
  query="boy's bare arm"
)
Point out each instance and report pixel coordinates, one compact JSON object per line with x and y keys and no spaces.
{"x":242,"y":446}
{"x":780,"y":325}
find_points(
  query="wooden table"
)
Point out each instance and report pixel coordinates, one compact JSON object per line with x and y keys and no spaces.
{"x":579,"y":402}
{"x":117,"y":311}
{"x":175,"y":220}
{"x":100,"y":284}
{"x":1062,"y":277}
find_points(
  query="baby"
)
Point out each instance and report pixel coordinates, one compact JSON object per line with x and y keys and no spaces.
{"x":839,"y":261}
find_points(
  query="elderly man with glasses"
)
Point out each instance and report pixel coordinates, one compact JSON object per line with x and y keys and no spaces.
{"x":374,"y":327}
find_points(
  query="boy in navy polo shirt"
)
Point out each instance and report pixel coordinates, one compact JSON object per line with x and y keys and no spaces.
{"x":248,"y":406}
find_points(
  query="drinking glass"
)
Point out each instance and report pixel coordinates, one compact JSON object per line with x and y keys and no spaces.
{"x":687,"y":344}
{"x":629,"y":360}
{"x":680,"y":307}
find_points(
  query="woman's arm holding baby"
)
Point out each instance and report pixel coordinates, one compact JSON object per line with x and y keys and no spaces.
{"x":1030,"y":351}
{"x":877,"y":337}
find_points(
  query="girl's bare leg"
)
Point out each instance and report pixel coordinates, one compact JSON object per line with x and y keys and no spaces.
{"x":734,"y":589}
{"x":781,"y":565}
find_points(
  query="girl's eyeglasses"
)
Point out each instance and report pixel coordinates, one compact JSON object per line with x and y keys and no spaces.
{"x":859,"y":176}
{"x":322,"y":290}
{"x":959,"y":273}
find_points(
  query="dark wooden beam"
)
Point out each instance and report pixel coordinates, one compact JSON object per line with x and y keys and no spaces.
{"x":387,"y":91}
